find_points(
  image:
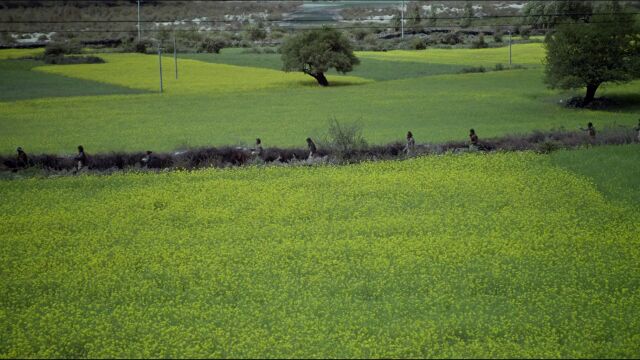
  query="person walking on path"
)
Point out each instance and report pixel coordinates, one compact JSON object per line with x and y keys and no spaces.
{"x":312,"y":148}
{"x":591,"y":131}
{"x":411,"y":144}
{"x":81,"y":158}
{"x":258,"y":148}
{"x":474,"y":142}
{"x":21,"y":162}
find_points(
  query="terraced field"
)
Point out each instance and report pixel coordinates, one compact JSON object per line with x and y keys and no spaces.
{"x":523,"y":54}
{"x":140,"y":71}
{"x":477,"y":255}
{"x":222,"y":104}
{"x":504,"y":255}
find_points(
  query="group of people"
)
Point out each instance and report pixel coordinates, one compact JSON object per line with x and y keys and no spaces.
{"x":22,"y":160}
{"x":474,"y":142}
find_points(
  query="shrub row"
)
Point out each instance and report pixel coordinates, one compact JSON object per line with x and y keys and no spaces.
{"x":538,"y":141}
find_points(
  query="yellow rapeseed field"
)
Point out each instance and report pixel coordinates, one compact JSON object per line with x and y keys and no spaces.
{"x":523,"y":54}
{"x":140,"y":71}
{"x":11,"y":54}
{"x":498,"y":255}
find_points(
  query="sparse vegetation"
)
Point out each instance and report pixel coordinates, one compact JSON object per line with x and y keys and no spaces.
{"x":72,"y":60}
{"x":479,"y":43}
{"x":473,"y":69}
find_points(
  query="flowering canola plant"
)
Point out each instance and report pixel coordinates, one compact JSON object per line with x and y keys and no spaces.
{"x":499,"y":255}
{"x":141,"y":71}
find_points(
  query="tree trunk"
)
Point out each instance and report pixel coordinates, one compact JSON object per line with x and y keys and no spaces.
{"x":591,"y":93}
{"x":320,"y":78}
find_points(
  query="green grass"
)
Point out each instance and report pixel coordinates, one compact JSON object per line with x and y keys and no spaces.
{"x":140,"y":71}
{"x":7,"y":54}
{"x":435,"y":108}
{"x":221,"y":104}
{"x":20,"y":82}
{"x":522,"y":54}
{"x":614,"y":169}
{"x":379,"y":70}
{"x":490,"y":256}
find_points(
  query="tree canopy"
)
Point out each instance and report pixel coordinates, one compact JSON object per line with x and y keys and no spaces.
{"x":316,"y":51}
{"x":467,"y":15}
{"x":548,"y":14}
{"x":587,"y":54}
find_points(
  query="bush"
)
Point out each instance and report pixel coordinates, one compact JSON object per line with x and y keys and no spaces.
{"x":6,"y":39}
{"x":452,"y":38}
{"x":62,"y":48}
{"x":479,"y":43}
{"x":276,"y":34}
{"x":479,"y":69}
{"x":131,"y":44}
{"x":345,"y":138}
{"x":497,"y":36}
{"x":498,"y":67}
{"x":418,"y":44}
{"x":72,"y":60}
{"x":525,"y":32}
{"x":213,"y":45}
{"x":256,"y":33}
{"x":360,"y":34}
{"x":141,"y":46}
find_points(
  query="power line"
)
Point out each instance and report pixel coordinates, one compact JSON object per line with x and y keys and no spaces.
{"x":387,"y":2}
{"x":313,"y":20}
{"x":292,"y":29}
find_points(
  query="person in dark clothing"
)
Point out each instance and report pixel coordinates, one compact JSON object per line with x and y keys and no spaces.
{"x":258,"y":148}
{"x":312,"y":148}
{"x":22,"y":160}
{"x":147,"y":158}
{"x":81,"y":158}
{"x":591,"y":131}
{"x":473,"y":138}
{"x":411,"y":144}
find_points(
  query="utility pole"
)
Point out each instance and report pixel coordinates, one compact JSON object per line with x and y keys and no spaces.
{"x":160,"y":61}
{"x":509,"y":48}
{"x":402,"y":21}
{"x":175,"y":55}
{"x":139,"y":30}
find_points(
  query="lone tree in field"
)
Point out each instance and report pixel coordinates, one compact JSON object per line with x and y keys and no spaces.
{"x":588,"y":54}
{"x":314,"y":52}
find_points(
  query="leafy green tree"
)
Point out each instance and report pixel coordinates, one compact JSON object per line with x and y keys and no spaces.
{"x":467,"y":15}
{"x":213,"y":45}
{"x":256,"y":32}
{"x":316,"y":51}
{"x":589,"y":54}
{"x":396,"y":20}
{"x":432,"y":16}
{"x":415,"y":22}
{"x":548,"y":14}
